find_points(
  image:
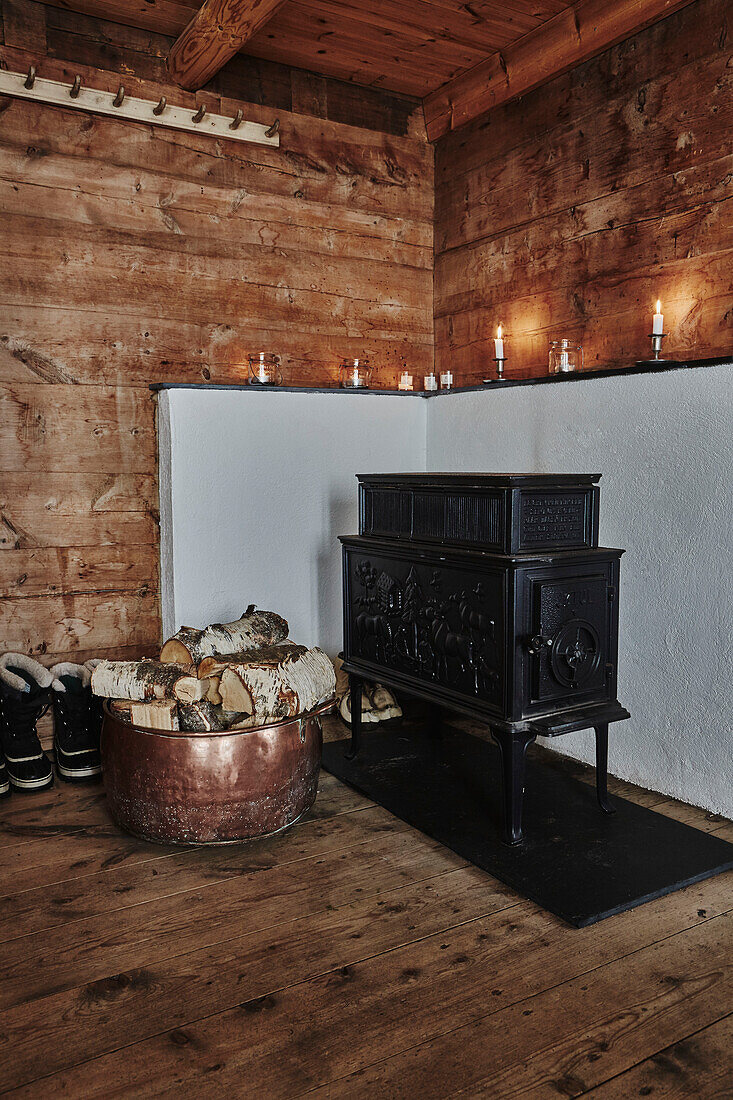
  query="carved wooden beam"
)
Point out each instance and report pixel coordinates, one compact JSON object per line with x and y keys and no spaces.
{"x":583,"y":30}
{"x":217,"y":31}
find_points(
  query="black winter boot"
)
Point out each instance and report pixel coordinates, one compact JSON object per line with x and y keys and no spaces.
{"x":96,"y":704}
{"x":4,"y":781}
{"x":75,"y":725}
{"x":24,"y":698}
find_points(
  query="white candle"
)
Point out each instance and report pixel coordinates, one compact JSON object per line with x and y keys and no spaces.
{"x":356,"y":373}
{"x":430,"y":382}
{"x":498,"y":345}
{"x":262,"y":375}
{"x":405,"y":381}
{"x":446,"y":380}
{"x":658,"y":321}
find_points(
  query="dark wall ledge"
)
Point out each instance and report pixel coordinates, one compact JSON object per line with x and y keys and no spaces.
{"x":660,"y":366}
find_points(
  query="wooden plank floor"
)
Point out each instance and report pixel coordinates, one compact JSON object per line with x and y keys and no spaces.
{"x":349,"y":957}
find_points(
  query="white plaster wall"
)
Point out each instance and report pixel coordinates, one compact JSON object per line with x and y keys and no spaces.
{"x":663,"y":445}
{"x":257,"y":485}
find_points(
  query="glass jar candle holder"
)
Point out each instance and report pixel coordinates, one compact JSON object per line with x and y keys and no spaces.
{"x":446,"y":380}
{"x":355,"y":374}
{"x":405,"y":382}
{"x":565,"y":356}
{"x":264,"y":369}
{"x":430,"y":383}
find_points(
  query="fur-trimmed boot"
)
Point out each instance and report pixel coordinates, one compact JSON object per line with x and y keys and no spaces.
{"x":75,"y":720}
{"x":97,"y":712}
{"x":25,"y":696}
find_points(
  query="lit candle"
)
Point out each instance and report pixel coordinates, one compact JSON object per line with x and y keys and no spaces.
{"x":262,"y":374}
{"x":658,"y":321}
{"x":405,"y":381}
{"x":498,"y":345}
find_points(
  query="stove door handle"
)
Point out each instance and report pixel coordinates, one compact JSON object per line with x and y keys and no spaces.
{"x":537,"y":643}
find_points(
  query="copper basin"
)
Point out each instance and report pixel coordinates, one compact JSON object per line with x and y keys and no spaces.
{"x":211,"y":788}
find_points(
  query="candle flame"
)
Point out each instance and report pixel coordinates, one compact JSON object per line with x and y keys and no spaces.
{"x":659,"y":305}
{"x":498,"y":333}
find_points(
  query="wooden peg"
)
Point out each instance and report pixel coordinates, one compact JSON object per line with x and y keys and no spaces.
{"x":75,"y":87}
{"x":31,"y":78}
{"x":161,"y":106}
{"x":199,"y":114}
{"x":236,"y":121}
{"x":117,"y":101}
{"x":273,"y":129}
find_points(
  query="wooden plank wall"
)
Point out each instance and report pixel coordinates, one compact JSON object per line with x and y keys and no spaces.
{"x":132,"y":255}
{"x":568,"y":212}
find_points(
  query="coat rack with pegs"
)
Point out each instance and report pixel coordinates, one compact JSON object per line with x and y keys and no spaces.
{"x":119,"y":105}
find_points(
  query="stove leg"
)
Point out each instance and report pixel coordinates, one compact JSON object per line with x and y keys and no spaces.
{"x":513,"y":748}
{"x":355,"y":693}
{"x":602,"y":768}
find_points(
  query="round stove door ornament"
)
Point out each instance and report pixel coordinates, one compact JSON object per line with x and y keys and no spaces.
{"x":575,"y":653}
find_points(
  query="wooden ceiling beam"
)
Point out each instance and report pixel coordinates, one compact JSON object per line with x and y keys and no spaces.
{"x":582,"y":31}
{"x":218,"y":30}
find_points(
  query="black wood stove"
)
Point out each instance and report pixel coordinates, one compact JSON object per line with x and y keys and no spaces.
{"x":488,"y":594}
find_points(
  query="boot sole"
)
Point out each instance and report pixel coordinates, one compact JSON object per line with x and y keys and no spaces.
{"x":78,"y":775}
{"x":30,"y":786}
{"x":5,"y":789}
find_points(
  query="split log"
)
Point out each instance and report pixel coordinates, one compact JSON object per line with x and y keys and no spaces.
{"x":158,"y":714}
{"x":212,"y":667}
{"x":252,"y":631}
{"x":190,"y":689}
{"x":276,"y":682}
{"x":138,"y":681}
{"x":203,"y":717}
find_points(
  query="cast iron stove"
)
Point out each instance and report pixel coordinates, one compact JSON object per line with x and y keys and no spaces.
{"x":487,"y":594}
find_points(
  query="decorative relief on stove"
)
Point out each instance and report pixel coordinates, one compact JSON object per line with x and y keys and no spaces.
{"x":549,"y":519}
{"x":437,"y":624}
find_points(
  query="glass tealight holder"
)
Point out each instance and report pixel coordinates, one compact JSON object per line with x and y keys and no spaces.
{"x":446,"y":380}
{"x":264,"y":369}
{"x":565,"y":356}
{"x":405,"y":382}
{"x":430,"y":383}
{"x":355,"y":374}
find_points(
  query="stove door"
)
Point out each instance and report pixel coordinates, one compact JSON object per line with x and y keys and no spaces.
{"x":570,"y":639}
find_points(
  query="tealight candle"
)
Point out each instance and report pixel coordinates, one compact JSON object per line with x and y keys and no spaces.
{"x":405,"y":382}
{"x":498,"y":345}
{"x":264,"y":369}
{"x":658,"y":321}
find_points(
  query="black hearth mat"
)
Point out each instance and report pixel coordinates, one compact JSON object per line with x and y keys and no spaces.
{"x":575,"y":861}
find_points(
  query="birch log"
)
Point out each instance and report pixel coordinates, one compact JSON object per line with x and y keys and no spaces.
{"x":138,"y":681}
{"x":159,"y":714}
{"x":203,"y":717}
{"x":252,"y":631}
{"x":213,"y":666}
{"x":276,"y":682}
{"x":190,"y":689}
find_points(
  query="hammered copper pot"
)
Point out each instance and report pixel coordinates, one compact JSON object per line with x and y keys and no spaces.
{"x":211,"y":788}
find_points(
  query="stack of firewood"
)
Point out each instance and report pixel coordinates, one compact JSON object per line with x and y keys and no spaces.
{"x":224,"y":676}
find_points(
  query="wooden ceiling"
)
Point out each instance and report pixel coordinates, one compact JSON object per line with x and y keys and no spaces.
{"x":408,"y":46}
{"x":462,"y":56}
